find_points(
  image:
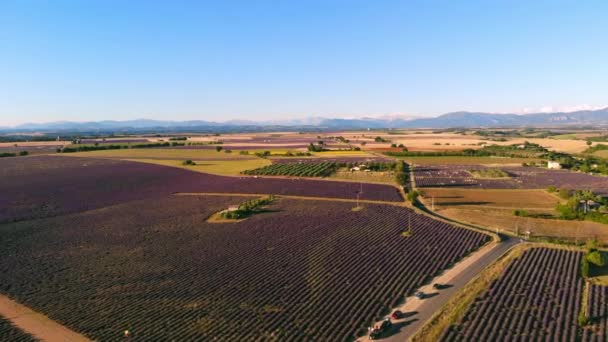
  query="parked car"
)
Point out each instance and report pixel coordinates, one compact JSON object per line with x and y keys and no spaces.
{"x":379,"y":330}
{"x":397,"y":314}
{"x":420,"y":295}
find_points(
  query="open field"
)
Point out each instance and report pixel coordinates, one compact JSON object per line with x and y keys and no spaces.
{"x":494,"y":209}
{"x":505,"y":220}
{"x":35,"y":187}
{"x":302,"y":271}
{"x":223,"y":167}
{"x":449,"y":160}
{"x":32,"y":147}
{"x":601,"y":154}
{"x":537,"y":298}
{"x":501,"y":199}
{"x":519,"y":178}
{"x":163,"y":154}
{"x":386,"y":177}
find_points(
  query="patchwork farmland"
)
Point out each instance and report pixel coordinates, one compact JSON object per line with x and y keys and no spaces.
{"x":159,"y":270}
{"x":142,"y":239}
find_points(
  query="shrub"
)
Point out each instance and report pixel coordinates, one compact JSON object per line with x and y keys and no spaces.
{"x":23,"y":153}
{"x":218,"y":148}
{"x":521,"y":212}
{"x":564,"y":193}
{"x":188,"y":162}
{"x":585,"y":268}
{"x":596,"y":258}
{"x":582,"y":319}
{"x":412,"y":196}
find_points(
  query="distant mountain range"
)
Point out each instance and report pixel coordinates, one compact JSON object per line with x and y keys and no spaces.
{"x":450,"y":120}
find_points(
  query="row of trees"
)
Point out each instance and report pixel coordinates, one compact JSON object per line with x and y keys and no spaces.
{"x":10,"y":154}
{"x":87,"y":148}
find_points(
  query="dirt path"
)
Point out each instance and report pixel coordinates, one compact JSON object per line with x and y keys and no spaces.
{"x":35,"y":324}
{"x":310,"y":198}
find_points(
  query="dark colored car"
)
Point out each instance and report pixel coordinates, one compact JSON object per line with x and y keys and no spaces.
{"x":420,"y":295}
{"x":379,"y":331}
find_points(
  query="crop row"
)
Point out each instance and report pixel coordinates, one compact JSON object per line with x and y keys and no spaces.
{"x":305,"y":270}
{"x":597,"y":314}
{"x":536,"y":299}
{"x":44,"y":186}
{"x":8,"y":332}
{"x":322,"y":169}
{"x":520,"y":178}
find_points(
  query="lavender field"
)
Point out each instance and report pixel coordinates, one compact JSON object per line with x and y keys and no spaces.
{"x":537,"y":298}
{"x":597,"y":314}
{"x":42,"y":186}
{"x":519,"y":178}
{"x":303,"y":270}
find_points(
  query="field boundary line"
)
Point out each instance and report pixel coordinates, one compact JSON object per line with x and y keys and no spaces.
{"x":36,"y":324}
{"x":309,"y":198}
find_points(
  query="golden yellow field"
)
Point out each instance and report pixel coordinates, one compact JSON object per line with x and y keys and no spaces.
{"x":504,"y":220}
{"x":218,"y":167}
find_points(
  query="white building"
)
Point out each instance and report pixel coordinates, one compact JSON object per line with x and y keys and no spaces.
{"x":553,"y":165}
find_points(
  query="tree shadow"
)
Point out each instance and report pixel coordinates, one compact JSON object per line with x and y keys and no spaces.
{"x":397,"y":327}
{"x":430,"y":295}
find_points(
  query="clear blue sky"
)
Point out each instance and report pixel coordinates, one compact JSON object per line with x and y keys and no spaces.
{"x":218,"y":60}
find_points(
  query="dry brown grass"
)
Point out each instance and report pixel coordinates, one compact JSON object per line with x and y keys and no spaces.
{"x":493,"y":209}
{"x":504,"y":220}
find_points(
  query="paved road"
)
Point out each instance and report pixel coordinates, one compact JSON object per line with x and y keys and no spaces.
{"x":426,"y":308}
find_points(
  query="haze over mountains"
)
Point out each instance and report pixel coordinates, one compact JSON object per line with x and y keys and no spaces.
{"x":455,"y":119}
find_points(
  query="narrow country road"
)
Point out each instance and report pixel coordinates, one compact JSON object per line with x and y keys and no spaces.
{"x":419,"y":311}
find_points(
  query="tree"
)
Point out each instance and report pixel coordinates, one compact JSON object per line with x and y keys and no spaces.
{"x":218,"y":148}
{"x":412,"y":196}
{"x":596,"y":258}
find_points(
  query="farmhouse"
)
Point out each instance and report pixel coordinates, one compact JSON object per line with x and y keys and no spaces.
{"x":553,"y":165}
